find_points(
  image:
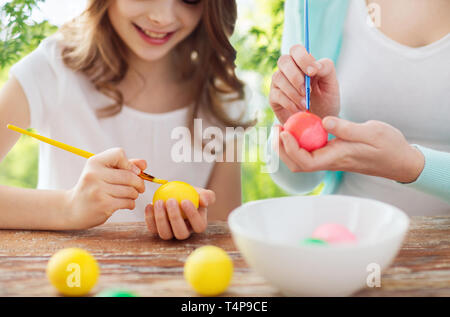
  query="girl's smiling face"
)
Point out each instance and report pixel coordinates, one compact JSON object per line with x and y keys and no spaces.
{"x":152,"y":28}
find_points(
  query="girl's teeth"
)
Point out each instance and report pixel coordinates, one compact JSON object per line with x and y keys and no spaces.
{"x":155,"y":35}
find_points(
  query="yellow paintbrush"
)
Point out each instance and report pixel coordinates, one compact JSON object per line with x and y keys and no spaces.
{"x":76,"y":151}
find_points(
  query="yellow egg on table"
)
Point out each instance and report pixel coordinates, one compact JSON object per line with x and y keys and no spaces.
{"x":179,"y":191}
{"x":209,"y":270}
{"x":73,"y":271}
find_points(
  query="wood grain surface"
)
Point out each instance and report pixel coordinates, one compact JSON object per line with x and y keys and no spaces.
{"x":130,"y":258}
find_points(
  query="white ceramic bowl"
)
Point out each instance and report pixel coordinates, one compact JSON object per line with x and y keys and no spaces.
{"x":269,"y":233}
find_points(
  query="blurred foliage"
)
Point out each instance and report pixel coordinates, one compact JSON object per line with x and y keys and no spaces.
{"x":20,"y":166}
{"x":19,"y":33}
{"x":258,"y":50}
{"x":259,"y":47}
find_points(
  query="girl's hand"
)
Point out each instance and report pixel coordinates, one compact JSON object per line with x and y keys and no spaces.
{"x":287,"y":92}
{"x":166,"y":221}
{"x":109,"y":182}
{"x":372,"y":148}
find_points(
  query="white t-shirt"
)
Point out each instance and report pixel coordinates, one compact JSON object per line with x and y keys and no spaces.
{"x":62,"y":104}
{"x":408,"y":88}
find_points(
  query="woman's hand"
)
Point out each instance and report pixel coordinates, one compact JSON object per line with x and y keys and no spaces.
{"x":109,"y":182}
{"x":166,"y":221}
{"x":287,"y":92}
{"x":372,"y":148}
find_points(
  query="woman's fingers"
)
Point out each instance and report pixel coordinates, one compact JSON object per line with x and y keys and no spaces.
{"x":305,"y":61}
{"x":196,"y":219}
{"x":277,"y":97}
{"x":279,"y":80}
{"x":327,"y":68}
{"x":300,"y":157}
{"x":179,"y":227}
{"x":162,"y":221}
{"x":331,"y":157}
{"x":291,"y":71}
{"x":278,"y":146}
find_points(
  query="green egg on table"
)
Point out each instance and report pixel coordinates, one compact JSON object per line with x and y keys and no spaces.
{"x":116,"y":293}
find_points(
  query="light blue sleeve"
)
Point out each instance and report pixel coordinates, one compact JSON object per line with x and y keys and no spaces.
{"x":292,"y":33}
{"x":327,"y":19}
{"x":435,"y":177}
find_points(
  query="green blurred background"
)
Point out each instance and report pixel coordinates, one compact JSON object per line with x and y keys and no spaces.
{"x":257,"y":40}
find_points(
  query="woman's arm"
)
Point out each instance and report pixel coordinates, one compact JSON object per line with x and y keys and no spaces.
{"x":435,"y":176}
{"x":375,"y":148}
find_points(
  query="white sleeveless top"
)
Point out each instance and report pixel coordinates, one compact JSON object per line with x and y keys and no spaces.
{"x":62,"y":104}
{"x":408,"y":88}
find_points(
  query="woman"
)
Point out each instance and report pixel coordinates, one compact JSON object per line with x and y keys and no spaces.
{"x":395,"y":144}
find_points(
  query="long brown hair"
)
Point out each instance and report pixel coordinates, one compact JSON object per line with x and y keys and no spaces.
{"x":92,"y":47}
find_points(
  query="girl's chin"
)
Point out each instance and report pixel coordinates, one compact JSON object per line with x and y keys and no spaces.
{"x":154,"y":55}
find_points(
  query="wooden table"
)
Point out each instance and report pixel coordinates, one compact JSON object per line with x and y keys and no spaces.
{"x":131,"y":259}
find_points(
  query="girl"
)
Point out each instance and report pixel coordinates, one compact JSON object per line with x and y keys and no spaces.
{"x":396,"y":76}
{"x":116,"y":81}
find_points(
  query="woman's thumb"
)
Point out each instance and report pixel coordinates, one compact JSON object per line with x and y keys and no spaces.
{"x":344,"y":129}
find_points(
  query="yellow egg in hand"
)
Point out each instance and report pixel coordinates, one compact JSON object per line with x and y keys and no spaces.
{"x":209,"y":270}
{"x":73,"y":271}
{"x":179,"y":191}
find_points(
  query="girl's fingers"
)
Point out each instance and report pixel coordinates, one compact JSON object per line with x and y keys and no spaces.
{"x":116,"y":158}
{"x":141,"y":164}
{"x":291,"y":71}
{"x":122,"y":203}
{"x":196,"y":220}
{"x":207,"y":197}
{"x":179,"y":228}
{"x":305,"y":61}
{"x":204,"y":214}
{"x":121,"y":191}
{"x":150,"y":219}
{"x":162,"y":221}
{"x":122,"y":177}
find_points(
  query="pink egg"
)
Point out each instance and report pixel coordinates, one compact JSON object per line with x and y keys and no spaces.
{"x":308,"y":130}
{"x":334,"y":233}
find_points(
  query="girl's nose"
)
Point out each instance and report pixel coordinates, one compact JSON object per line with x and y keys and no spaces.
{"x":162,"y":13}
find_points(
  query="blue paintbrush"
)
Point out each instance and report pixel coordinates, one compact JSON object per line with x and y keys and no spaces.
{"x":307,"y":78}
